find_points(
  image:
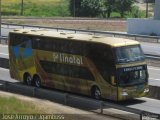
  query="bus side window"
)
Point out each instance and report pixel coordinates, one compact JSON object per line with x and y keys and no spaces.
{"x":36,"y":43}
{"x":67,"y":70}
{"x":103,"y":59}
{"x":57,"y":45}
{"x":16,"y":39}
{"x":46,"y":44}
{"x":76,"y":48}
{"x":13,"y":39}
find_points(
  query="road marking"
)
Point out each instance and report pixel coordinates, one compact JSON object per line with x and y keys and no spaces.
{"x":154,"y":79}
{"x":3,"y":54}
{"x":3,"y":45}
{"x":152,"y":68}
{"x":4,"y":69}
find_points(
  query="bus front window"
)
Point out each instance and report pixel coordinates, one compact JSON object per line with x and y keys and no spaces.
{"x":132,"y":76}
{"x":129,"y":54}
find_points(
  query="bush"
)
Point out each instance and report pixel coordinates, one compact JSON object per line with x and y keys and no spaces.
{"x":137,"y":13}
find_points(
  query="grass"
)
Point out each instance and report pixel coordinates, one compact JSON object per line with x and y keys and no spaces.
{"x":44,"y":8}
{"x":12,"y":105}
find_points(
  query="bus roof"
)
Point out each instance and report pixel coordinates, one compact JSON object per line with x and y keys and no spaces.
{"x":112,"y":41}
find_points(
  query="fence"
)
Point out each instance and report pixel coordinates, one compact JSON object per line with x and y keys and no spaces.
{"x":97,"y":106}
{"x":102,"y":107}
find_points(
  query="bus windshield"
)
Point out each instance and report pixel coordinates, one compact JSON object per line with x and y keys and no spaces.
{"x":129,"y":54}
{"x":132,"y":75}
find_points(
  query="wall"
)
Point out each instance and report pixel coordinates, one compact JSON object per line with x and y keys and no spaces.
{"x":143,"y":26}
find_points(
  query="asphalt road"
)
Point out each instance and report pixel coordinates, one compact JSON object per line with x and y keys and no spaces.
{"x":4,"y":75}
{"x":154,"y":76}
{"x":153,"y":71}
{"x":4,"y":51}
{"x":147,"y":104}
{"x":150,"y":105}
{"x":150,"y":48}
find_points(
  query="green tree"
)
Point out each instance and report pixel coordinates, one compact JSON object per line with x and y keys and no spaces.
{"x":109,"y":6}
{"x":150,"y":1}
{"x":123,"y":6}
{"x":92,"y":8}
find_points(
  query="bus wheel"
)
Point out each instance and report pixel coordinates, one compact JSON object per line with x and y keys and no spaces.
{"x":37,"y":81}
{"x":96,"y":93}
{"x":27,"y":79}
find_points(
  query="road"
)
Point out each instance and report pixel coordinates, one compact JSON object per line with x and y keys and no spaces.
{"x":150,"y":48}
{"x":153,"y":71}
{"x":143,"y":103}
{"x":3,"y":51}
{"x":4,"y":75}
{"x":154,"y":76}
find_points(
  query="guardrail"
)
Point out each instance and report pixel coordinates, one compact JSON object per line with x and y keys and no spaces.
{"x":153,"y":60}
{"x":154,"y":57}
{"x":143,"y":38}
{"x":3,"y":39}
{"x":71,"y":100}
{"x":102,"y":107}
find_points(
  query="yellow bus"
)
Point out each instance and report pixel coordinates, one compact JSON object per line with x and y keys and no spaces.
{"x":98,"y":66}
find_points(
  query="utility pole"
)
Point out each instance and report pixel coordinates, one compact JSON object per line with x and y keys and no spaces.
{"x":74,"y":8}
{"x":0,"y":19}
{"x":22,"y":8}
{"x":146,"y":8}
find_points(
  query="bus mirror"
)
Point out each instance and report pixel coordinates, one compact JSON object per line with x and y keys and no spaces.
{"x":113,"y":81}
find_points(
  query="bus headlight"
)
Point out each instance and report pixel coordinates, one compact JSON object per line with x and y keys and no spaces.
{"x":146,"y":90}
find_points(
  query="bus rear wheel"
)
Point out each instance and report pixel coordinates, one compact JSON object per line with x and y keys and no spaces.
{"x":37,"y":82}
{"x":27,"y":79}
{"x":96,"y":93}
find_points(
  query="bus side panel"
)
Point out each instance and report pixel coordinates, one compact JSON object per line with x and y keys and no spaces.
{"x":44,"y":68}
{"x":107,"y":90}
{"x":132,"y":92}
{"x":14,"y":73}
{"x":21,"y":61}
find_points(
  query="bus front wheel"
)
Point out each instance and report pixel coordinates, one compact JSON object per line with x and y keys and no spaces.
{"x":96,"y":93}
{"x":27,"y":79}
{"x":37,"y":81}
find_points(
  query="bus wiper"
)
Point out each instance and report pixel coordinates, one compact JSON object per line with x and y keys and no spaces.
{"x":139,"y":58}
{"x":124,"y":60}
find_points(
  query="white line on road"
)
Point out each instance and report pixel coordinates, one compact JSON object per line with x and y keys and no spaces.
{"x":4,"y":69}
{"x":3,"y":45}
{"x":154,"y":79}
{"x":3,"y":54}
{"x":153,"y":68}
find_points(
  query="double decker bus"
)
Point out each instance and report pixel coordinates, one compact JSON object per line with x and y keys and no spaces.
{"x":98,"y":66}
